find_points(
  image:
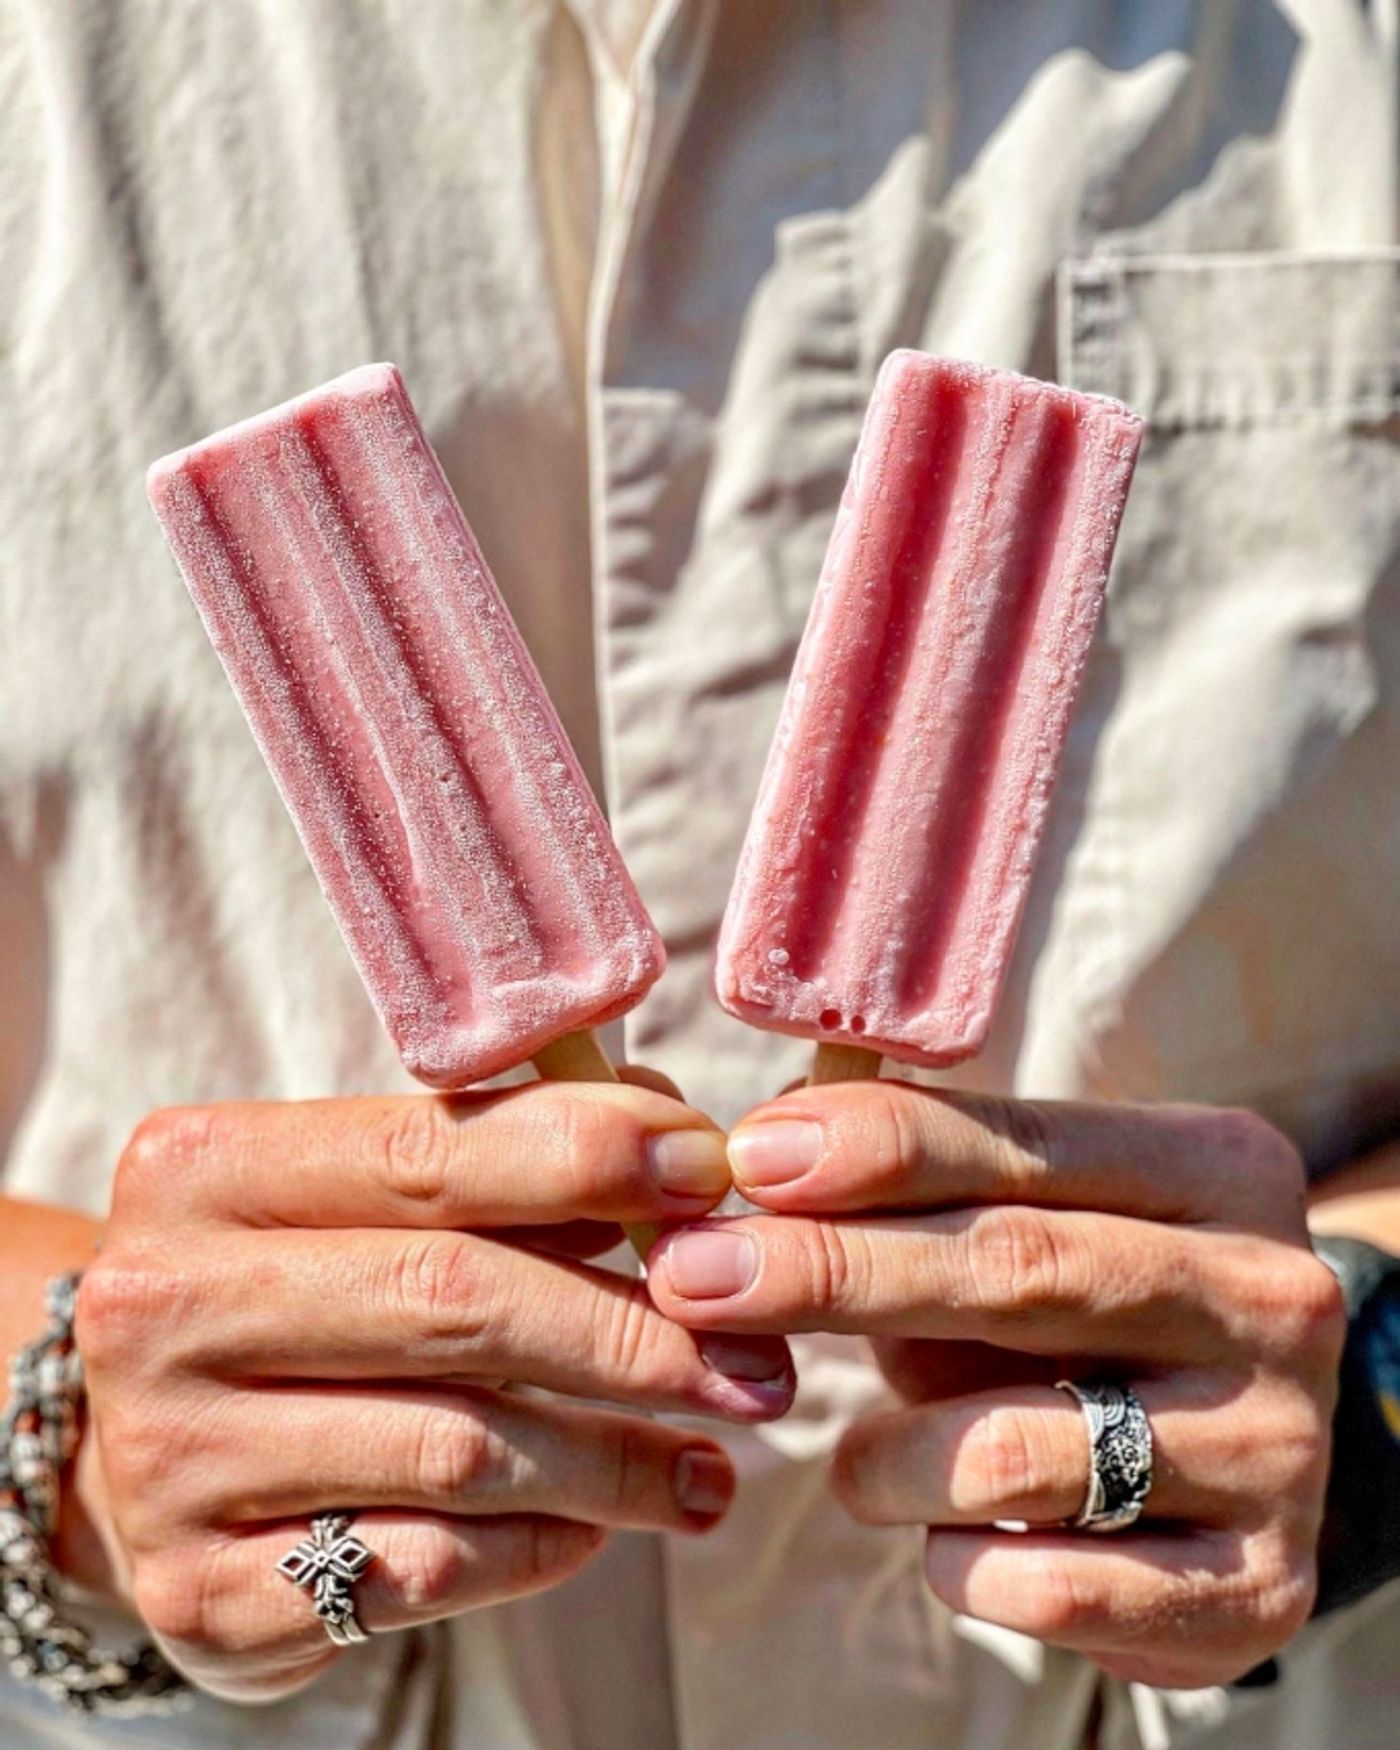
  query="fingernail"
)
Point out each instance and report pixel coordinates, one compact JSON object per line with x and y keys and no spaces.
{"x":750,"y":1380}
{"x":762,"y":1360}
{"x":689,"y":1163}
{"x":709,"y":1264}
{"x":704,"y":1483}
{"x":775,"y":1152}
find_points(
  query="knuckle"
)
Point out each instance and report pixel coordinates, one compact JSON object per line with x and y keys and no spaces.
{"x":1056,"y":1600}
{"x":1280,"y":1434}
{"x":852,"y":1468}
{"x":173,"y":1143}
{"x":161,"y":1460}
{"x":1020,"y":1264}
{"x":167,"y":1131}
{"x":413,"y":1153}
{"x":136,"y":1452}
{"x":1290,"y":1607}
{"x":1262,"y":1168}
{"x":101,"y":1313}
{"x":155,"y":1147}
{"x":638,"y":1469}
{"x":631,"y":1335}
{"x":145,"y":1152}
{"x":891,"y":1132}
{"x":593,"y":1141}
{"x":627,"y":1465}
{"x":1321,"y":1310}
{"x":1299,"y":1309}
{"x":837,"y":1265}
{"x":551,"y":1548}
{"x":1300,"y":1445}
{"x":174,"y":1594}
{"x":430,"y":1571}
{"x":1006,"y":1462}
{"x":456,"y":1454}
{"x":1254,"y":1144}
{"x":120,"y":1299}
{"x":1282,"y":1587}
{"x":437,"y":1282}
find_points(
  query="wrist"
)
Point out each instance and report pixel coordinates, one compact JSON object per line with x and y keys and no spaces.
{"x":39,"y":1435}
{"x":38,"y":1242}
{"x":41,"y":1243}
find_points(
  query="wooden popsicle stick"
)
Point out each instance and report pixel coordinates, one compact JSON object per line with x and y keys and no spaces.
{"x":578,"y":1057}
{"x":844,"y":1063}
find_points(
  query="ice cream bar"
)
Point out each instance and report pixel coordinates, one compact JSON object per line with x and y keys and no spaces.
{"x":442,"y":807}
{"x":890,"y":851}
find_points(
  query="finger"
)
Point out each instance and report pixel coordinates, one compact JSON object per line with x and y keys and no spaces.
{"x":1187,"y":1608}
{"x":641,"y":1075}
{"x":241,"y":1630}
{"x":1048,"y":1283}
{"x":381,"y":1304}
{"x":1023,"y":1453}
{"x":475,"y":1453}
{"x":922,"y":1372}
{"x":535,"y":1154}
{"x":566,"y":1239}
{"x":890,"y":1145}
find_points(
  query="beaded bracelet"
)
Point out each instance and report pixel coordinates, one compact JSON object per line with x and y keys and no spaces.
{"x":38,"y":1435}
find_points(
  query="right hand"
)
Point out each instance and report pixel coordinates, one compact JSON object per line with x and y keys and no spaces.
{"x":304,"y":1307}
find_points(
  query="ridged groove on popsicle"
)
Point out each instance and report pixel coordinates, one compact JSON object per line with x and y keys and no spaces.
{"x":1056,"y":636}
{"x":377,"y":757}
{"x":945,"y":751}
{"x":980,"y":629}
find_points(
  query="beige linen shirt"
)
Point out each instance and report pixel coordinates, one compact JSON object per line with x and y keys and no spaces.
{"x":639,"y":265}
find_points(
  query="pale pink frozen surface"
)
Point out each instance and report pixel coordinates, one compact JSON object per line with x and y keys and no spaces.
{"x":890,"y":851}
{"x":443,"y":809}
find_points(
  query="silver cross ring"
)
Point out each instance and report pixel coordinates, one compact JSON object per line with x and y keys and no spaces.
{"x":327,"y":1564}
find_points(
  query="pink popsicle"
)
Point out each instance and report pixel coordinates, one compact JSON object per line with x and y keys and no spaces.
{"x":891,"y":846}
{"x":454,"y":834}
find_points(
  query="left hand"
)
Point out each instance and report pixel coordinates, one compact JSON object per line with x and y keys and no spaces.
{"x":991,"y":1247}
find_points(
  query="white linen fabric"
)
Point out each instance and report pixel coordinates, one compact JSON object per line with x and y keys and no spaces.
{"x":639,"y":264}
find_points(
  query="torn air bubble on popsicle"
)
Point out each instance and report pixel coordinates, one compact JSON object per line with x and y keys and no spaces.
{"x":891,"y":846}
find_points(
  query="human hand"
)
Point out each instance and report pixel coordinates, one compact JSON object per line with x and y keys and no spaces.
{"x":992,"y":1247}
{"x":288,"y":1316}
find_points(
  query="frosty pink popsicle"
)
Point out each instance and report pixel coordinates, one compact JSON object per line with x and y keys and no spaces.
{"x":890,"y":851}
{"x":442,"y":807}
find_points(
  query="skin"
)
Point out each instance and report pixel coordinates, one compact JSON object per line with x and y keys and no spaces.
{"x":1363,"y":1202}
{"x":961,"y":1234}
{"x":991,"y":1247}
{"x":299,"y":1306}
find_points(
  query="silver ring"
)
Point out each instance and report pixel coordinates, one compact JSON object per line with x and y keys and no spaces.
{"x":1120,"y":1453}
{"x":327,"y":1563}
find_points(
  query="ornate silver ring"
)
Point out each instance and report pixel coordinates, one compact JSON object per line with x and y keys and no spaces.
{"x":327,"y":1563}
{"x":1120,"y":1453}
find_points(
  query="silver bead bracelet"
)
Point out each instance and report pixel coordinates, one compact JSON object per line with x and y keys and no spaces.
{"x":38,"y":1435}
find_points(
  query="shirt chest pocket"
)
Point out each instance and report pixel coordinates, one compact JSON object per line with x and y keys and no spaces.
{"x":1233,"y":927}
